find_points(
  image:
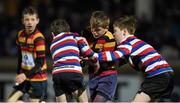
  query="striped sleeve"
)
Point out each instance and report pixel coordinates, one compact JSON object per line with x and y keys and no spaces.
{"x":121,"y":51}
{"x":40,"y":45}
{"x":17,"y":36}
{"x":83,"y":46}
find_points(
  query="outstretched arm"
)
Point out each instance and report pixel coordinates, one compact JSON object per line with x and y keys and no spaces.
{"x":84,"y":46}
{"x":122,"y":50}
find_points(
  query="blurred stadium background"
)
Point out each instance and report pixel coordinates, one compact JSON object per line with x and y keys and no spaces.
{"x":158,"y":24}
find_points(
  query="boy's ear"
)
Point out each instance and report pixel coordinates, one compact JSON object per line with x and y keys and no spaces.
{"x":38,"y":20}
{"x":107,"y":27}
{"x":125,"y":31}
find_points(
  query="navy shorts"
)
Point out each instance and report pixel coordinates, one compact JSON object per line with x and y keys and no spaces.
{"x":34,"y":89}
{"x":67,"y":83}
{"x":158,"y":87}
{"x":103,"y":85}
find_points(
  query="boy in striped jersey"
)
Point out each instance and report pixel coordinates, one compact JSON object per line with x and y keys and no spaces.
{"x":102,"y":85}
{"x":31,"y":73}
{"x":158,"y":75}
{"x":67,"y":71}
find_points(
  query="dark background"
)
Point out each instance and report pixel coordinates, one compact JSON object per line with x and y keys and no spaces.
{"x":158,"y":24}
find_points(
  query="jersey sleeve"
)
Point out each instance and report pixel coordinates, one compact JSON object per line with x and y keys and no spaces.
{"x":40,"y":47}
{"x":83,"y":46}
{"x":122,"y":50}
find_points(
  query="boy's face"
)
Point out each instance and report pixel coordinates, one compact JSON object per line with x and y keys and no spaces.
{"x":30,"y":22}
{"x":119,"y":34}
{"x":98,"y":32}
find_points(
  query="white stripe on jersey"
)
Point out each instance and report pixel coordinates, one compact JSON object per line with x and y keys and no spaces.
{"x":85,"y":48}
{"x":119,"y":53}
{"x":125,"y":46}
{"x":134,"y":41}
{"x":58,"y":35}
{"x":108,"y":55}
{"x":155,"y":64}
{"x":149,"y":57}
{"x":141,"y":49}
{"x":95,"y":55}
{"x":78,"y":38}
{"x":67,"y":58}
{"x":64,"y":48}
{"x":62,"y":40}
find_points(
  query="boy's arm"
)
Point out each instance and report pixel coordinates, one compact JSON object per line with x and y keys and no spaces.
{"x":122,"y":50}
{"x":84,"y":46}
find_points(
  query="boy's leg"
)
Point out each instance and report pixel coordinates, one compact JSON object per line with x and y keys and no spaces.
{"x":102,"y":88}
{"x":155,"y":88}
{"x":39,"y":92}
{"x":142,"y":97}
{"x":81,"y":96}
{"x":15,"y":96}
{"x":100,"y":98}
{"x":61,"y":98}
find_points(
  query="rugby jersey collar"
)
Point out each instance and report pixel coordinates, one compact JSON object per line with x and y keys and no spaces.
{"x":126,"y":38}
{"x":32,"y":32}
{"x":62,"y":33}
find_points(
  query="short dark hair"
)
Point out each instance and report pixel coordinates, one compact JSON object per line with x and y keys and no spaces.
{"x":59,"y":25}
{"x":99,"y":19}
{"x":128,"y":22}
{"x":30,"y":10}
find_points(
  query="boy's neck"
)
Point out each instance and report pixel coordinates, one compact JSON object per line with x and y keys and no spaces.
{"x":29,"y":32}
